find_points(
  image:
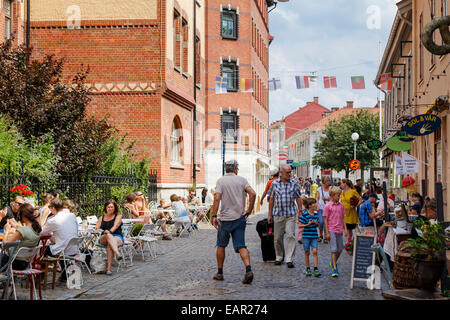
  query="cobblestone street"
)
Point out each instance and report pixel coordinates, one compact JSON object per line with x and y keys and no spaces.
{"x":185,"y":266}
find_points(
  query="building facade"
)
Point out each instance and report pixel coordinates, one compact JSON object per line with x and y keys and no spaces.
{"x":12,"y":26}
{"x":422,"y":87}
{"x":145,"y":59}
{"x":237,"y":47}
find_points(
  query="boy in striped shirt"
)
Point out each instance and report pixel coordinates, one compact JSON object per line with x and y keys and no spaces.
{"x":310,"y":221}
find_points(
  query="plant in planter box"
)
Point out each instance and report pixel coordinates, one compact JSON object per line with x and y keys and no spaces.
{"x":427,"y":252}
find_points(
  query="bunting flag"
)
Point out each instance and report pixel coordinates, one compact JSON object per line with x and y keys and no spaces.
{"x":329,"y":82}
{"x":302,"y":82}
{"x":358,"y":82}
{"x":274,"y":84}
{"x":246,"y":85}
{"x":221,"y":85}
{"x":386,"y":81}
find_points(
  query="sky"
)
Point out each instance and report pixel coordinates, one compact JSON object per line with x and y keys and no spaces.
{"x":333,"y":37}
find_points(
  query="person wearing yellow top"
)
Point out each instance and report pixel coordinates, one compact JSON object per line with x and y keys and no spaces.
{"x":314,"y":188}
{"x":351,"y":216}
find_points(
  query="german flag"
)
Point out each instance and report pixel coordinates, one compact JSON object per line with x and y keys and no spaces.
{"x":246,"y":85}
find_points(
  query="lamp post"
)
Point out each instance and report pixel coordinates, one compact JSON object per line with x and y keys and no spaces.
{"x":355,"y":137}
{"x":275,"y":4}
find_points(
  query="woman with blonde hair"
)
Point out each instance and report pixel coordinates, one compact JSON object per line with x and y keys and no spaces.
{"x":44,"y":210}
{"x":350,"y":198}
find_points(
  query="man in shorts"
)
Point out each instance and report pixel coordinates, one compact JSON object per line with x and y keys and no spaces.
{"x":231,"y":191}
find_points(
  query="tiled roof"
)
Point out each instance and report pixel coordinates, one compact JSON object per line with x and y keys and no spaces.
{"x":303,"y":118}
{"x":336,"y":115}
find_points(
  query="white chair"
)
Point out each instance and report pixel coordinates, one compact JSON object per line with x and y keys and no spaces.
{"x":79,"y":221}
{"x":145,"y":240}
{"x":27,"y":253}
{"x":127,"y":249}
{"x":78,"y":257}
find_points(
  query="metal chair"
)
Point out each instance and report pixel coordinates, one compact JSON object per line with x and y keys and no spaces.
{"x":145,"y":239}
{"x":8,"y":249}
{"x":78,"y":257}
{"x":29,"y":273}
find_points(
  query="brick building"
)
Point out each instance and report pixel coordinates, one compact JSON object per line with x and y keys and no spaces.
{"x":12,"y":26}
{"x":237,"y":47}
{"x":141,"y":59}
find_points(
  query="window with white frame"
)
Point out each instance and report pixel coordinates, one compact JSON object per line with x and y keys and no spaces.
{"x":8,"y":13}
{"x":175,"y":143}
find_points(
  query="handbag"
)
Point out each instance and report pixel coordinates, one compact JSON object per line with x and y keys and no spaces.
{"x":354,"y":201}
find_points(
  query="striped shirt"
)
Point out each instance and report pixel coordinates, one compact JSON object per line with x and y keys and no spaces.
{"x":309,"y":232}
{"x":285,"y":196}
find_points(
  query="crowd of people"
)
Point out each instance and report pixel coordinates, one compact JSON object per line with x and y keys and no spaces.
{"x":328,"y":210}
{"x":23,"y":222}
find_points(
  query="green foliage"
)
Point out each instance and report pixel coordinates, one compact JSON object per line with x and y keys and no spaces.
{"x":37,"y":154}
{"x":335,"y":149}
{"x":120,"y":193}
{"x":136,"y":229}
{"x":431,"y":244}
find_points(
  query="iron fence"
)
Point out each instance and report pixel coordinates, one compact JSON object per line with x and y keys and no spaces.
{"x":88,"y":193}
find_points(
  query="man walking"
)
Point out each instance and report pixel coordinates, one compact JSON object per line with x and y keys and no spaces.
{"x":231,"y":192}
{"x":285,"y":207}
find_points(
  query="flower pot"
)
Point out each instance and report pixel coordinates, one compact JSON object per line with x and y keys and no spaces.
{"x":31,"y":201}
{"x":428,"y":272}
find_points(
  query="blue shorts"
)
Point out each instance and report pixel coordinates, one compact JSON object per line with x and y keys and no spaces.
{"x":236,"y":229}
{"x":119,"y":236}
{"x":307,"y":243}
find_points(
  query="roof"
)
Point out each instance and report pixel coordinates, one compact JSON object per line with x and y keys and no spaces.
{"x":336,"y":115}
{"x":303,"y":118}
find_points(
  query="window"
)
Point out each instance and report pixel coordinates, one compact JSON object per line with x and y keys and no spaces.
{"x":443,"y":8}
{"x":7,"y":10}
{"x":230,"y":70}
{"x":184,"y":53}
{"x":420,"y":48}
{"x":230,"y":126}
{"x":198,"y":49}
{"x":176,"y":39}
{"x":176,"y":139}
{"x":229,"y":19}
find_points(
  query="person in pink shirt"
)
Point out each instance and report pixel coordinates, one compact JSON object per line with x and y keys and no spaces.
{"x":334,"y":225}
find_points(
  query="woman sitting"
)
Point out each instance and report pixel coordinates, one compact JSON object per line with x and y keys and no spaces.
{"x":111,"y":224}
{"x":44,"y":210}
{"x":27,"y":231}
{"x":181,"y":215}
{"x":129,"y":209}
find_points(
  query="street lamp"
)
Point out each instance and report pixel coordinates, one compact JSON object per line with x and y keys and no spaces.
{"x":355,"y":138}
{"x":275,"y":4}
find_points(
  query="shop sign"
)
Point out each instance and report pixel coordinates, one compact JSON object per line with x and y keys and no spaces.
{"x":411,"y":164}
{"x":354,"y":165}
{"x":398,"y":144}
{"x":374,"y":144}
{"x":422,"y":125}
{"x":289,"y":161}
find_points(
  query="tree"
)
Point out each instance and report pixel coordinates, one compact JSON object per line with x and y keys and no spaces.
{"x":335,"y":149}
{"x":37,"y":100}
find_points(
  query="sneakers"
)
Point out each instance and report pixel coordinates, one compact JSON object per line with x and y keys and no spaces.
{"x":335,"y":273}
{"x":308,"y":272}
{"x":290,"y":265}
{"x":248,"y":278}
{"x":317,"y":273}
{"x":331,"y":265}
{"x":218,"y":277}
{"x":278,"y":263}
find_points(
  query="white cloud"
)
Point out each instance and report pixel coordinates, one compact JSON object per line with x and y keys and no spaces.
{"x":330,"y":36}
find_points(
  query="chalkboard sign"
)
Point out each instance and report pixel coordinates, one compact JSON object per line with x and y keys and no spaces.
{"x":363,"y":258}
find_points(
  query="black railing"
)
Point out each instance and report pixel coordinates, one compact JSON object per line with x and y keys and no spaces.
{"x":88,"y":193}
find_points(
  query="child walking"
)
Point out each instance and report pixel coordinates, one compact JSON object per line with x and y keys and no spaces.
{"x":334,"y":225}
{"x":309,"y":221}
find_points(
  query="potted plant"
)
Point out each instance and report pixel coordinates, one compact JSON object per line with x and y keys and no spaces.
{"x":25,"y":192}
{"x":427,"y":253}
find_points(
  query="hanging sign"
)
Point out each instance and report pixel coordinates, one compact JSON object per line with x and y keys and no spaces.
{"x":422,"y":125}
{"x":398,"y":144}
{"x":411,"y":164}
{"x":399,"y":166}
{"x":374,"y":144}
{"x":354,"y":165}
{"x":289,"y":161}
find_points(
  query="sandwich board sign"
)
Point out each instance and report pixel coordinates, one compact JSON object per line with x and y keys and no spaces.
{"x":363,"y":265}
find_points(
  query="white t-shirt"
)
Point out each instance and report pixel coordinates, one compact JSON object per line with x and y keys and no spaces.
{"x":325,"y":194}
{"x":381,"y":204}
{"x":64,"y":227}
{"x":209,"y":200}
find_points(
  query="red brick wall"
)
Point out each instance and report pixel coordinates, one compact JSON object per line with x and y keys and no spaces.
{"x":250,"y":64}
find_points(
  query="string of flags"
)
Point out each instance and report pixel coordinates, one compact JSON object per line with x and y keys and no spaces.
{"x":304,"y":82}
